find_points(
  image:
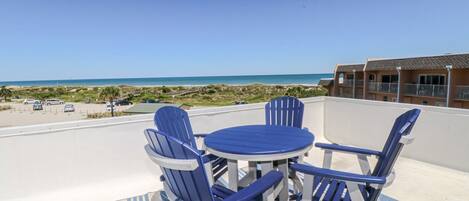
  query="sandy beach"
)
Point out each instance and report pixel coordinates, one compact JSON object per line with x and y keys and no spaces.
{"x":21,"y":114}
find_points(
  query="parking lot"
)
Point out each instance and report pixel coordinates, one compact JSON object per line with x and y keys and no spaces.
{"x":22,"y":114}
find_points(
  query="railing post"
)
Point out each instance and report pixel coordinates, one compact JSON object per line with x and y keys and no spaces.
{"x":398,"y":83}
{"x":417,"y":89}
{"x":353,"y":85}
{"x":448,"y":90}
{"x":433,"y":90}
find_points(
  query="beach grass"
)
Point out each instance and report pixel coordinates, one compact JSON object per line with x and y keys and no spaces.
{"x":5,"y":107}
{"x":210,"y":95}
{"x":99,"y":115}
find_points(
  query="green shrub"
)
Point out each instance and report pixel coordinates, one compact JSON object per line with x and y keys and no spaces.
{"x":99,"y":115}
{"x":5,"y":107}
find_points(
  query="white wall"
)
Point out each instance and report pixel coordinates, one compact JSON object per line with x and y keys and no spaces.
{"x":103,"y":159}
{"x":442,"y":134}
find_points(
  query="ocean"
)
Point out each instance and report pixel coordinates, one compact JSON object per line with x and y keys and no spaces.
{"x":304,"y":79}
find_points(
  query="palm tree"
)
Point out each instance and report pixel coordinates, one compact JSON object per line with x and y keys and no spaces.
{"x":5,"y":92}
{"x":110,"y":93}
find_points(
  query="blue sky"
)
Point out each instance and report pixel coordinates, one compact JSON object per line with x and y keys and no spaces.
{"x":44,"y":39}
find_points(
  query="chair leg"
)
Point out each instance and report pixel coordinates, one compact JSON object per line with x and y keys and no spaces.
{"x":233,"y":175}
{"x":308,"y":192}
{"x":327,"y":159}
{"x":209,"y":172}
{"x":354,"y":191}
{"x":283,"y":167}
{"x":266,"y":167}
{"x":168,"y":192}
{"x":364,"y":164}
{"x":249,"y":176}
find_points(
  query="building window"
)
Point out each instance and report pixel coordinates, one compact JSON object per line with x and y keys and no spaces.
{"x":371,"y":77}
{"x":341,"y":78}
{"x":432,"y":79}
{"x":350,"y":77}
{"x":389,"y":78}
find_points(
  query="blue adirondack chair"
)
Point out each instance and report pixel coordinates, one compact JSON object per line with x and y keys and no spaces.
{"x":326,"y":184}
{"x":284,"y":111}
{"x":184,"y":168}
{"x":175,"y":121}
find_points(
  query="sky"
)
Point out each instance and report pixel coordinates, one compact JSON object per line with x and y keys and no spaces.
{"x":45,"y":39}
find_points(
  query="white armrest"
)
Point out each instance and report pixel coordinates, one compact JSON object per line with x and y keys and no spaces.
{"x":170,"y":163}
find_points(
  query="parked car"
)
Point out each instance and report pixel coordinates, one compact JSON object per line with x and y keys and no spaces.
{"x":37,"y":105}
{"x":29,"y":101}
{"x":54,"y":102}
{"x":122,"y":102}
{"x":108,"y":106}
{"x":150,"y":101}
{"x":240,"y":102}
{"x":69,"y":108}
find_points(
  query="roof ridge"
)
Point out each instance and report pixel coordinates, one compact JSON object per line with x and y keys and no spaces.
{"x":350,"y":64}
{"x":416,"y":57}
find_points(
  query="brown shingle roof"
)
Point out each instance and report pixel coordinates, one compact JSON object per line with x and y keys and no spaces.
{"x":458,"y":61}
{"x":326,"y":82}
{"x":349,"y":67}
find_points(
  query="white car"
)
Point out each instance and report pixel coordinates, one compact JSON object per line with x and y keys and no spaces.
{"x":54,"y":102}
{"x":30,"y":101}
{"x":69,"y":108}
{"x":108,"y":106}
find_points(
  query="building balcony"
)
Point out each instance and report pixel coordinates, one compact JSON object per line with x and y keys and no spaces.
{"x":104,"y":159}
{"x":427,"y":90}
{"x":462,"y":92}
{"x":382,"y":87}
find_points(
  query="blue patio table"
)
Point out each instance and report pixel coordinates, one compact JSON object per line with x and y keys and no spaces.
{"x":259,"y":144}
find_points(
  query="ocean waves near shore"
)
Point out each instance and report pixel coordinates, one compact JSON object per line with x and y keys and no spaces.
{"x":302,"y":79}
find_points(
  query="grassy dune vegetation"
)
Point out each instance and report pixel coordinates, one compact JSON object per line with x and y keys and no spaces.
{"x":211,"y":95}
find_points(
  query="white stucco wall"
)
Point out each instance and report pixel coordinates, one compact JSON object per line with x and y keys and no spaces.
{"x":442,"y":134}
{"x":104,"y":159}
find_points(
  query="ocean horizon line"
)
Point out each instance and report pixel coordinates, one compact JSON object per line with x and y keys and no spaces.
{"x":282,"y":79}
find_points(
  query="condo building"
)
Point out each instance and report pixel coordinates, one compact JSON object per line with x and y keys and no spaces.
{"x":432,"y":80}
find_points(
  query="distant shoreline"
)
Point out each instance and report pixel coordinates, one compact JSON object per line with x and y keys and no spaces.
{"x":142,"y":86}
{"x":241,"y":80}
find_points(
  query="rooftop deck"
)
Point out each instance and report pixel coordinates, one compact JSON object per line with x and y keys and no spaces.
{"x":104,"y":159}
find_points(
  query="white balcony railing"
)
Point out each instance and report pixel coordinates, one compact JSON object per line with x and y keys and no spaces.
{"x":462,"y":92}
{"x":425,"y":90}
{"x":384,"y":87}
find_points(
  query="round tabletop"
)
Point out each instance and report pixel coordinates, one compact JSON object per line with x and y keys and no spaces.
{"x":259,"y":142}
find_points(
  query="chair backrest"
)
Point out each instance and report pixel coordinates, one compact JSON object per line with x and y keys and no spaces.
{"x":284,"y":111}
{"x":402,"y":127}
{"x":175,"y":122}
{"x":186,"y":185}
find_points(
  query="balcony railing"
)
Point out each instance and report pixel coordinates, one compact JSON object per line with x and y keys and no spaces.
{"x":385,"y":87}
{"x":349,"y":83}
{"x":462,"y":92}
{"x":425,"y":90}
{"x":346,"y":93}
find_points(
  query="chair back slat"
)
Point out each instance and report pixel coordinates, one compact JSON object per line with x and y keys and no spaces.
{"x":402,"y":127}
{"x":175,"y":121}
{"x":186,"y":185}
{"x":284,"y":111}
